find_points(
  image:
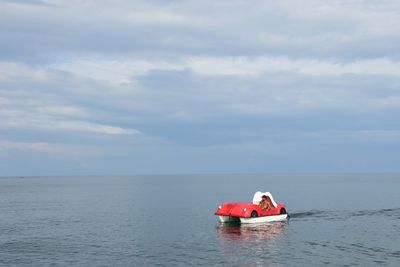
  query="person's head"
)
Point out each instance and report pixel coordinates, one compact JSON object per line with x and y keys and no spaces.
{"x":264,"y":197}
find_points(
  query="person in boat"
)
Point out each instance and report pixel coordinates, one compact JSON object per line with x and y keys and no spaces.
{"x":264,"y":203}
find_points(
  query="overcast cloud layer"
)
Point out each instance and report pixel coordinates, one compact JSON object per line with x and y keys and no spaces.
{"x":129,"y":87}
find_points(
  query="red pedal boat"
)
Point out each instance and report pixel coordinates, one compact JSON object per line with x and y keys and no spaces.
{"x":252,"y":212}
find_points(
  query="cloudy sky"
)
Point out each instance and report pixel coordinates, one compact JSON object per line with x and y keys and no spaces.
{"x":170,"y":86}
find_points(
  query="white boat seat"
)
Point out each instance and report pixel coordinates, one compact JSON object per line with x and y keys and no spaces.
{"x":258,"y":195}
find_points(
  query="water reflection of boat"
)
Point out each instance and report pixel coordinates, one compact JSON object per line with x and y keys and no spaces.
{"x":251,"y":232}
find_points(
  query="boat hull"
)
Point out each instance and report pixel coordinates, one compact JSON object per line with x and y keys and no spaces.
{"x":271,"y":218}
{"x":228,"y":219}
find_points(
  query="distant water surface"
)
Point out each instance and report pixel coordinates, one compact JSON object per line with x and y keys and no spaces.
{"x":340,"y":220}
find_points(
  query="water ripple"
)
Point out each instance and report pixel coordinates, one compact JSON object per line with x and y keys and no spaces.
{"x":392,"y":212}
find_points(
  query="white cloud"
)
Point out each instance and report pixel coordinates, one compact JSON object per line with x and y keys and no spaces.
{"x":40,"y":98}
{"x":27,"y":111}
{"x":114,"y":71}
{"x":55,"y":149}
{"x":62,"y":110}
{"x":4,"y":101}
{"x":13,"y":71}
{"x":5,"y":146}
{"x":194,"y":87}
{"x":18,"y":119}
{"x":121,"y":72}
{"x":82,"y":126}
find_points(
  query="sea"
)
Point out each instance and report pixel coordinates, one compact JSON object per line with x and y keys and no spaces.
{"x":168,"y":220}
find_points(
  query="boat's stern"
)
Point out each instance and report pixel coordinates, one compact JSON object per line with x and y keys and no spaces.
{"x":228,"y":219}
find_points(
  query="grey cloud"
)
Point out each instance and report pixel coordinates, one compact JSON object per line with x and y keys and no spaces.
{"x":194,"y":28}
{"x":184,"y":96}
{"x":267,"y":94}
{"x":211,"y":86}
{"x":26,"y":2}
{"x":49,"y":102}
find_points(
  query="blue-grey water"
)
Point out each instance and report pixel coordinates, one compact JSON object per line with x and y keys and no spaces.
{"x":340,"y":220}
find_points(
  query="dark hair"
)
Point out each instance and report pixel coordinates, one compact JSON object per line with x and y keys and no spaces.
{"x":264,"y":196}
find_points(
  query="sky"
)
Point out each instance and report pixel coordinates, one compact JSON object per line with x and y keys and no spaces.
{"x":179,"y":87}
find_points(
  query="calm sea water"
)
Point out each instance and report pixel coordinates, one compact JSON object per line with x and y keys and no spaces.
{"x":341,"y":220}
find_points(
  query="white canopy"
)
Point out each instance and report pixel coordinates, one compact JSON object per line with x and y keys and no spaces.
{"x":258,"y":195}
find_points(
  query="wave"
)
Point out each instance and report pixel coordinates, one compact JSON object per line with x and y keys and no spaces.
{"x":332,"y":214}
{"x":384,"y":212}
{"x":307,"y":214}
